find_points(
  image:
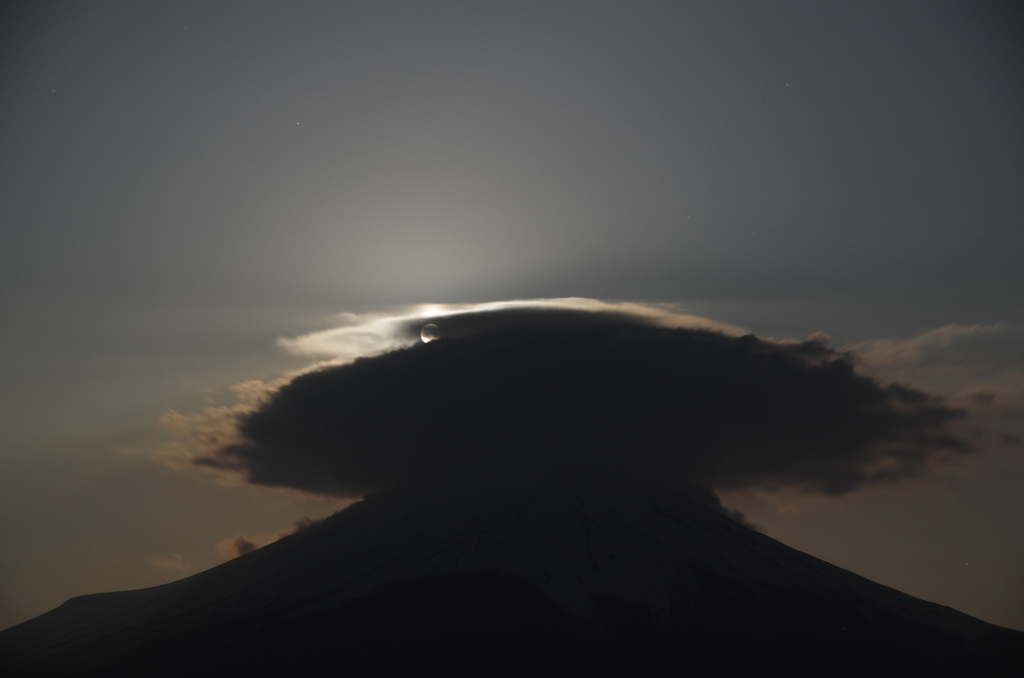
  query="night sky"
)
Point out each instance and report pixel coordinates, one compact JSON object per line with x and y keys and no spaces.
{"x":192,"y":192}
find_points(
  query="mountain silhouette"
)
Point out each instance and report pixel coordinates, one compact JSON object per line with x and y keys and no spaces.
{"x":593,"y":574}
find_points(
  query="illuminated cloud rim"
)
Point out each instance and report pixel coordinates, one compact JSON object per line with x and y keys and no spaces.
{"x":572,"y":384}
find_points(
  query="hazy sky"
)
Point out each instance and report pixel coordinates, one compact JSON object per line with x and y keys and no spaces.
{"x":182,"y":183}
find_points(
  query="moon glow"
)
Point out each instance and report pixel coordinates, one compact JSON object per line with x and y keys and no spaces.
{"x":430,"y":332}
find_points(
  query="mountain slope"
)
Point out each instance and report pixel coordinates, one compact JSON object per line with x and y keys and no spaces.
{"x":556,"y":576}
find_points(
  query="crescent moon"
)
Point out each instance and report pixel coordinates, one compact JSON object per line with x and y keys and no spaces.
{"x":430,"y":332}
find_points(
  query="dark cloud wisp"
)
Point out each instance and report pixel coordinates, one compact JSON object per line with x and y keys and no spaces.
{"x":241,"y":544}
{"x":691,"y":405}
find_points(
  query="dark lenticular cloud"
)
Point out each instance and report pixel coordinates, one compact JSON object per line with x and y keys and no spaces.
{"x":521,"y":391}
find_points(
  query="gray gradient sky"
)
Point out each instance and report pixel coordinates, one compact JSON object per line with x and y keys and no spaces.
{"x":182,"y":183}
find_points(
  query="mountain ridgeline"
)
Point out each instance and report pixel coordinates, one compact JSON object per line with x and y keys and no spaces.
{"x":554,"y":575}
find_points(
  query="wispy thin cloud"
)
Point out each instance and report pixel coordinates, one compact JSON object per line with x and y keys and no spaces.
{"x":904,"y":353}
{"x":241,"y":544}
{"x":175,"y":562}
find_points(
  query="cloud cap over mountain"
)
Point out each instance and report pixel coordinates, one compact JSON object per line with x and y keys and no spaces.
{"x":520,"y":389}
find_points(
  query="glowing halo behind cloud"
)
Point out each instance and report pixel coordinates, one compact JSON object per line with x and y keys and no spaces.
{"x":373,"y":334}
